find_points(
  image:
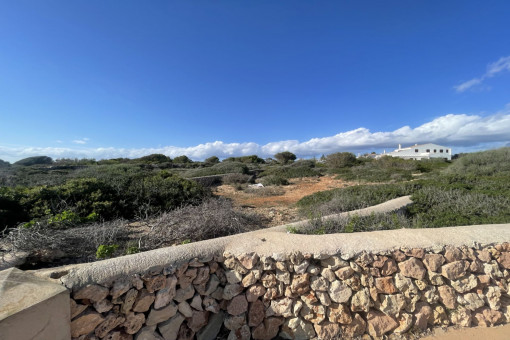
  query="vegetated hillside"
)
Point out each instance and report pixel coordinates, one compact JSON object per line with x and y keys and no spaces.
{"x":475,"y":189}
{"x":87,"y":209}
{"x":84,"y":209}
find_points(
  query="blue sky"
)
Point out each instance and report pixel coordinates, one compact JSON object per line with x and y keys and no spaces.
{"x":106,"y":79}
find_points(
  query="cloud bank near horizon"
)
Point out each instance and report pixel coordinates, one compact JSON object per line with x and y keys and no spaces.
{"x":461,"y":131}
{"x":492,"y":69}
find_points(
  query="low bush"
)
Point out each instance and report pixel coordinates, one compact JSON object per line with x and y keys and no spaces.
{"x":355,"y":223}
{"x":153,"y":159}
{"x":212,"y":160}
{"x":340,"y":160}
{"x":274,"y":180}
{"x":435,"y":207}
{"x":182,"y":159}
{"x":485,"y":163}
{"x":475,"y":189}
{"x":105,"y":251}
{"x":107,"y":197}
{"x":351,"y":198}
{"x":213,"y":218}
{"x":302,"y":168}
{"x":253,"y":159}
{"x":218,"y":169}
{"x":380,"y":170}
{"x":80,"y":244}
{"x":233,"y":179}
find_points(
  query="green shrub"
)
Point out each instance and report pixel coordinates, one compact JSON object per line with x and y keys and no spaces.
{"x":351,"y":198}
{"x":12,"y":211}
{"x":301,"y":168}
{"x":115,"y":193}
{"x":253,"y":159}
{"x":219,"y":169}
{"x":274,"y":180}
{"x":356,"y":223}
{"x":379,"y":170}
{"x":485,"y":163}
{"x":106,"y":251}
{"x":436,"y":207}
{"x":153,"y":159}
{"x":340,"y":160}
{"x":64,"y":218}
{"x":132,"y":248}
{"x":237,"y":179}
{"x":212,"y":160}
{"x":182,"y":159}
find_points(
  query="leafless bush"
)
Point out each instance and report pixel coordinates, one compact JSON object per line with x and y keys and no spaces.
{"x":213,"y":218}
{"x":73,"y":242}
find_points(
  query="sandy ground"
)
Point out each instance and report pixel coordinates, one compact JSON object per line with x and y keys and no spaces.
{"x":279,"y":208}
{"x":492,"y":333}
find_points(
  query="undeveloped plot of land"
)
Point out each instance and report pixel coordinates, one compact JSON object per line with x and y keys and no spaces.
{"x":277,"y":204}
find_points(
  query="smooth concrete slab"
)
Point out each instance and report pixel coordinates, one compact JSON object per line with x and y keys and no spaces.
{"x":32,"y":308}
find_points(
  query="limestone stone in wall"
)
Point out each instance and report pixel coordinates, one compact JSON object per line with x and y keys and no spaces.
{"x":301,"y":296}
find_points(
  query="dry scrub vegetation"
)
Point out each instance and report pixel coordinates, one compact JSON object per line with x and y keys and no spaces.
{"x":82,"y":210}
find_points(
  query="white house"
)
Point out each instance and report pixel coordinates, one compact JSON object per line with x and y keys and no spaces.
{"x":422,"y":151}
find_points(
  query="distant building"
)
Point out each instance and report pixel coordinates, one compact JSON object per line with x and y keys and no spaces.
{"x":422,"y":151}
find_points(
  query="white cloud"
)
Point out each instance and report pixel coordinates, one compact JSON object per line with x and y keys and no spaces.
{"x":461,"y":131}
{"x":492,"y":69}
{"x":81,"y":141}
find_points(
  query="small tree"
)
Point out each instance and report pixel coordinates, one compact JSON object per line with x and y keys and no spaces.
{"x":182,"y":159}
{"x":212,"y":160}
{"x":285,"y":157}
{"x":340,"y":160}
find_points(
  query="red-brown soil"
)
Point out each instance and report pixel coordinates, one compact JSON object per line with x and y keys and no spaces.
{"x":280,"y":208}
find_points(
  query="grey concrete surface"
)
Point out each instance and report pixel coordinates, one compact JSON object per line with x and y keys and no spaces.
{"x":32,"y":308}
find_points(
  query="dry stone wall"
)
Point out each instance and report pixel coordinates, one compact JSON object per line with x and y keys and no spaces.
{"x":301,"y":296}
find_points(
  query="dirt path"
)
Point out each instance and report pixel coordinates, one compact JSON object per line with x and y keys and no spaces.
{"x":277,"y":204}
